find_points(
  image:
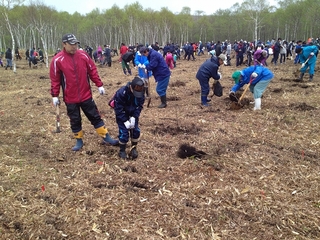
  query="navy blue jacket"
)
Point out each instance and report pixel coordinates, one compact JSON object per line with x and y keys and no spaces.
{"x":157,"y":65}
{"x":126,"y":104}
{"x":209,"y":69}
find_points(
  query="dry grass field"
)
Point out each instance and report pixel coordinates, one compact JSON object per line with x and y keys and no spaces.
{"x":258,"y":179}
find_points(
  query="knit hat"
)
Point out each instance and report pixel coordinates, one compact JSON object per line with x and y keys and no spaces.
{"x":236,"y":76}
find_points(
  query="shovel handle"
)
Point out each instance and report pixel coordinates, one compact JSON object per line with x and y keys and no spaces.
{"x":244,"y":92}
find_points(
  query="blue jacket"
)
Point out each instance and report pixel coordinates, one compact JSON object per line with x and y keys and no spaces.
{"x":304,"y":55}
{"x":141,"y":59}
{"x":126,"y":105}
{"x":209,"y":69}
{"x":157,"y":65}
{"x":264,"y":74}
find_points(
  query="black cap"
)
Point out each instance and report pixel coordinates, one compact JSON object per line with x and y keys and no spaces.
{"x":137,"y":87}
{"x":70,"y":38}
{"x":143,"y":49}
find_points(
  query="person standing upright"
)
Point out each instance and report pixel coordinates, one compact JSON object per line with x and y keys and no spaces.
{"x":160,"y":71}
{"x":71,"y":69}
{"x":9,"y":58}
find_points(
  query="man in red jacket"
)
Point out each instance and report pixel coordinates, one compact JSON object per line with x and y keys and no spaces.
{"x":71,"y":70}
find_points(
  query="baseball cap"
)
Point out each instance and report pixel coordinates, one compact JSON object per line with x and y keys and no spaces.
{"x":137,"y":87}
{"x":222,"y":57}
{"x":143,"y":49}
{"x":70,"y":38}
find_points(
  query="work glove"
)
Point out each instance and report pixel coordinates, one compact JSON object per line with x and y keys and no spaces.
{"x":127,"y":124}
{"x":220,"y":75}
{"x":233,"y":97}
{"x":140,"y":65}
{"x":101,"y":90}
{"x":143,"y":66}
{"x":55,"y":101}
{"x":312,"y":53}
{"x":132,"y":122}
{"x":302,"y":65}
{"x":254,"y":75}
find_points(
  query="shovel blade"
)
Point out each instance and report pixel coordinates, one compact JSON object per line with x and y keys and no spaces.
{"x":235,"y":106}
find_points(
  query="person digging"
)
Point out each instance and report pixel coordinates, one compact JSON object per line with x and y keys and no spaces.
{"x":258,"y":77}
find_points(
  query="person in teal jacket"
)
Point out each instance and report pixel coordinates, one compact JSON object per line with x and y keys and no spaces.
{"x":259,"y":78}
{"x":308,"y":58}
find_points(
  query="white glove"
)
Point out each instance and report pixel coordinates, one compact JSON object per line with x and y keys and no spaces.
{"x":140,"y":65}
{"x":312,"y":53}
{"x":254,"y":75}
{"x":55,"y":101}
{"x":302,"y":65}
{"x":219,"y":73}
{"x":101,"y":90}
{"x":143,"y":66}
{"x":132,"y":122}
{"x":127,"y":124}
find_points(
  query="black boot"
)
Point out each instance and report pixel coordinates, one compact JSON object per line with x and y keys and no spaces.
{"x":6,"y":67}
{"x":311,"y":77}
{"x":133,"y":152}
{"x":11,"y":68}
{"x":301,"y":77}
{"x":163,"y":102}
{"x":122,"y":152}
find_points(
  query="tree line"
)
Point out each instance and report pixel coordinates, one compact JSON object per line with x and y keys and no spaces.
{"x":42,"y":26}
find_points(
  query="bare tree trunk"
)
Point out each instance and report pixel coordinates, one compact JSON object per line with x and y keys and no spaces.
{"x":13,"y":42}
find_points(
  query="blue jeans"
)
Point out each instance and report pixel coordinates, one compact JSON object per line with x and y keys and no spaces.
{"x":162,"y":86}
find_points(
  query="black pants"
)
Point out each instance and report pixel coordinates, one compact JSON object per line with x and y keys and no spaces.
{"x":91,"y":111}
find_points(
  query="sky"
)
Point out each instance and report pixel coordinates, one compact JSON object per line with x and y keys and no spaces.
{"x":175,"y":6}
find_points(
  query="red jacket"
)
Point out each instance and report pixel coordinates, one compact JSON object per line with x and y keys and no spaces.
{"x":73,"y":74}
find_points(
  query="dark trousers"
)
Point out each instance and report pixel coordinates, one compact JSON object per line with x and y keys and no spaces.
{"x":91,"y":111}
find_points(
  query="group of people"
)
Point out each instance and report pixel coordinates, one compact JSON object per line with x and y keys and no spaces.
{"x":128,"y":100}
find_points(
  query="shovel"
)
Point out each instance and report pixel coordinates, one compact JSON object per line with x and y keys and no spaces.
{"x":58,"y":130}
{"x":238,"y":105}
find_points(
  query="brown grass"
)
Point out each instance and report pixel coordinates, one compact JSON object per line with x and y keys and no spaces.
{"x":259,"y":178}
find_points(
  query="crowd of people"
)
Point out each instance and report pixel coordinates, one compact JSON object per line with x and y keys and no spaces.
{"x":154,"y":61}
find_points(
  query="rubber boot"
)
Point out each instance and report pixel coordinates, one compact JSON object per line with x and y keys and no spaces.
{"x":103,"y":132}
{"x":257,"y":104}
{"x":6,"y":67}
{"x":129,"y":71}
{"x":122,"y":152}
{"x":301,"y":77}
{"x":79,"y":143}
{"x":311,"y":77}
{"x":11,"y":68}
{"x":204,"y":101}
{"x":163,"y":101}
{"x":133,"y":152}
{"x":125,"y":72}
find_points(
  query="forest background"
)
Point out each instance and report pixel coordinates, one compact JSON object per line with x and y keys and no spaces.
{"x":37,"y":25}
